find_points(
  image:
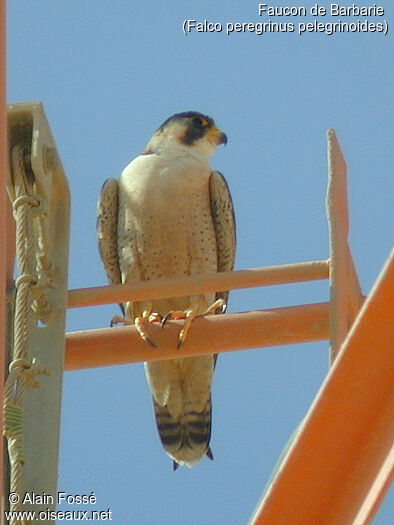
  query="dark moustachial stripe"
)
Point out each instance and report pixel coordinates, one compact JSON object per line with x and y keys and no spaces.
{"x":193,"y":133}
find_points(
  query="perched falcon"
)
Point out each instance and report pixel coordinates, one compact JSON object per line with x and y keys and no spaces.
{"x":171,"y":215}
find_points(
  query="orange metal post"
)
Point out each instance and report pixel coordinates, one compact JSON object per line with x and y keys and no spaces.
{"x":342,"y":448}
{"x":345,"y":293}
{"x":3,"y":230}
{"x":211,"y":334}
{"x":338,"y":223}
{"x":355,"y":297}
{"x":197,"y":284}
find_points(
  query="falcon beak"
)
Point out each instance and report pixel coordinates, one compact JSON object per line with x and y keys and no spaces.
{"x":222,"y":138}
{"x":218,"y":136}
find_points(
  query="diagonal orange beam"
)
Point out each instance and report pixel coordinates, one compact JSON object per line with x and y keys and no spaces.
{"x":341,"y":452}
{"x":377,"y":491}
{"x":198,"y":284}
{"x":211,"y":334}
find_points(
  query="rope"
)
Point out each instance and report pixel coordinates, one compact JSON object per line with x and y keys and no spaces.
{"x":22,"y":370}
{"x":45,"y":269}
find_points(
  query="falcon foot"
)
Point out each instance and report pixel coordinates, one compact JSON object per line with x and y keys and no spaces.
{"x":139,"y":324}
{"x":189,"y":316}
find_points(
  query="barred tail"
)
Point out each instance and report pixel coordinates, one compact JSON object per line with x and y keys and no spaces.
{"x":186,"y":437}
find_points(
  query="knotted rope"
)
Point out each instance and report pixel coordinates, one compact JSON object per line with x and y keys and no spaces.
{"x":22,"y":369}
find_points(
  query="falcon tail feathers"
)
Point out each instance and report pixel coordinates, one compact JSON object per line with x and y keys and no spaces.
{"x":185,"y":438}
{"x":209,"y":454}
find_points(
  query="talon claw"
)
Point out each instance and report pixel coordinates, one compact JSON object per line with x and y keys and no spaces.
{"x":189,"y":316}
{"x":165,"y":319}
{"x":118,"y":320}
{"x":155,"y":318}
{"x":149,"y":341}
{"x":139,"y":325}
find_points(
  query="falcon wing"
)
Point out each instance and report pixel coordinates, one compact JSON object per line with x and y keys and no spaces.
{"x":224,"y":223}
{"x":107,"y":229}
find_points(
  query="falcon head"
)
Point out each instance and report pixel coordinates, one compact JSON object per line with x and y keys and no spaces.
{"x":188,"y":130}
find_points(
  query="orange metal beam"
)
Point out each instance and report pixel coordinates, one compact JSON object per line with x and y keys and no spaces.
{"x":198,"y":284}
{"x":342,"y":448}
{"x":345,"y":293}
{"x":3,"y":231}
{"x":377,"y":491}
{"x":211,"y":334}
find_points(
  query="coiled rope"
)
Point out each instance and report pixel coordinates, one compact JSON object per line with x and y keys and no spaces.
{"x":22,"y":369}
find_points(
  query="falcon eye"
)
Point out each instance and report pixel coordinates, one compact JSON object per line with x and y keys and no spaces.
{"x":196,"y":127}
{"x":200,"y":122}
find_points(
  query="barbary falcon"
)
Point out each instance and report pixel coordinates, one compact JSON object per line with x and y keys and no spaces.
{"x":170,"y":215}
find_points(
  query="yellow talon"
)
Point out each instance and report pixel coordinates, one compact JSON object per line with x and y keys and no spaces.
{"x":139,"y":324}
{"x":189,"y":316}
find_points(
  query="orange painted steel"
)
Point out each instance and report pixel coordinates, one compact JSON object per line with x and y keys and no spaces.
{"x":3,"y":230}
{"x":197,"y":284}
{"x":377,"y":491}
{"x":211,"y":334}
{"x":338,"y":223}
{"x":343,"y":447}
{"x":355,"y":297}
{"x":345,"y":293}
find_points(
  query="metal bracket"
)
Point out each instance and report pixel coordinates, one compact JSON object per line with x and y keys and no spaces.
{"x":32,"y":145}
